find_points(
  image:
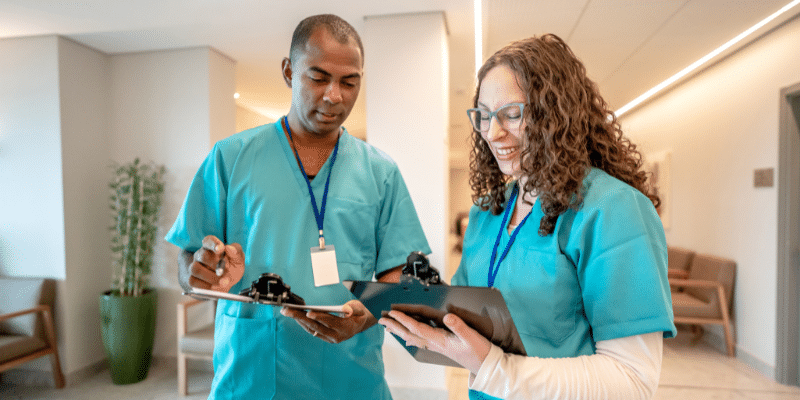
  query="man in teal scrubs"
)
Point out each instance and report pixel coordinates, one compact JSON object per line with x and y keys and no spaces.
{"x":276,"y":197}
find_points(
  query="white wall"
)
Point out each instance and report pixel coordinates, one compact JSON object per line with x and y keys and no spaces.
{"x":720,"y":126}
{"x":85,"y":139}
{"x":407,"y":117}
{"x":31,"y":198}
{"x":246,"y":119}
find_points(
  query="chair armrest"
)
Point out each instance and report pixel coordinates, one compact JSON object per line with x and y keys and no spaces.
{"x":40,"y":308}
{"x":183,"y":310}
{"x":47,"y":317}
{"x":695,"y":283}
{"x":721,"y":299}
{"x":720,"y":290}
{"x":185,"y":305}
{"x":677,"y":273}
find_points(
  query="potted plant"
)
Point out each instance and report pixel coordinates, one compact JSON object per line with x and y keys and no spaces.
{"x":128,"y":309}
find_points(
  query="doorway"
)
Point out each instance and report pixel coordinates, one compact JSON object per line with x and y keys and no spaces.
{"x":788,"y":307}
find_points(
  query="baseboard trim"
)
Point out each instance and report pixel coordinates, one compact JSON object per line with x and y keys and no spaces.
{"x":717,"y":341}
{"x":87,"y":372}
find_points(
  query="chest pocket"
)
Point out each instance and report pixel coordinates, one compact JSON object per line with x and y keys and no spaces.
{"x":544,"y":297}
{"x":351,"y":227}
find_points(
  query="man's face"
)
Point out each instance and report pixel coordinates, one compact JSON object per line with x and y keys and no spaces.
{"x":325,"y":80}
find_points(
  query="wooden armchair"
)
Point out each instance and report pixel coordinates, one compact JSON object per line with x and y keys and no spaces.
{"x":196,"y":342}
{"x":26,"y":324}
{"x":705,"y":296}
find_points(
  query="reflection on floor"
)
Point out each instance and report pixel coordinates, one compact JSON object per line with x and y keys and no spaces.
{"x":701,"y":372}
{"x":689,"y":372}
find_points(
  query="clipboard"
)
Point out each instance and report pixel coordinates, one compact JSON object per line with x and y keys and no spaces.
{"x":482,"y":308}
{"x":206,"y":294}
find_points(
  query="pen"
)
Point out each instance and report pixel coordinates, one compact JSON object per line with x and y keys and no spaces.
{"x":220,"y":268}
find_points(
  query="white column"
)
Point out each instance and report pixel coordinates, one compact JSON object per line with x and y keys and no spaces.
{"x":221,"y":87}
{"x":84,"y":89}
{"x":406,"y":77}
{"x":32,"y":199}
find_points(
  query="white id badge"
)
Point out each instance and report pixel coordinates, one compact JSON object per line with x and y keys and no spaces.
{"x":323,"y":264}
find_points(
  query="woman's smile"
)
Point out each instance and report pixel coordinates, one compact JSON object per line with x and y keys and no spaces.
{"x":505,"y":151}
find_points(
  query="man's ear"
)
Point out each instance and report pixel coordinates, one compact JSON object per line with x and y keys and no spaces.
{"x":286,"y":69}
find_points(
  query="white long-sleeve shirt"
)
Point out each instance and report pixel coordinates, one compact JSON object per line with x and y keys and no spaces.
{"x":626,"y":368}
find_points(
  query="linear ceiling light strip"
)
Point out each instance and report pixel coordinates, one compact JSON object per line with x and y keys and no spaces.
{"x":661,"y":86}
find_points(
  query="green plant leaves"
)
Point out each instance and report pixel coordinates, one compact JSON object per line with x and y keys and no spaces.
{"x":136,"y":196}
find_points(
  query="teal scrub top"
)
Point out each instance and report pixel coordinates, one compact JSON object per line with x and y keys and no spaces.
{"x":601,"y":275}
{"x":250,"y":191}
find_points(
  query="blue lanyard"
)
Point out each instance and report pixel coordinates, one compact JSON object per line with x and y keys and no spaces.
{"x":319,"y":214}
{"x":494,"y":268}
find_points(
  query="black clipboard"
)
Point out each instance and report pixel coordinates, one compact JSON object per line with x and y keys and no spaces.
{"x":482,"y":308}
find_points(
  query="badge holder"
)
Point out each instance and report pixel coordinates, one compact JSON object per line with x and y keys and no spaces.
{"x":323,"y":264}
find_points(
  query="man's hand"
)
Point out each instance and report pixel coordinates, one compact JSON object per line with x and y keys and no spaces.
{"x":332,"y":328}
{"x":214,"y":266}
{"x":337,"y":329}
{"x":464,"y":345}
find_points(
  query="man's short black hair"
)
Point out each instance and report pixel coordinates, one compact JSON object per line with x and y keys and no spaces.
{"x":338,"y":28}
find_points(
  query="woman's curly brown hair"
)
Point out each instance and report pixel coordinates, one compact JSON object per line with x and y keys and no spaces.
{"x":568,"y":129}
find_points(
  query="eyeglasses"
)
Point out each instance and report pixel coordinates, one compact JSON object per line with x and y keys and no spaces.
{"x":509,"y":116}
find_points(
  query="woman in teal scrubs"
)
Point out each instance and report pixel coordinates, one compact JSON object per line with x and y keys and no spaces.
{"x":565,"y":226}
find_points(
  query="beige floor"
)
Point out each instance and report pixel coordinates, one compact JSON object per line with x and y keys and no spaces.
{"x":699,"y":372}
{"x":689,"y":371}
{"x":696,"y":371}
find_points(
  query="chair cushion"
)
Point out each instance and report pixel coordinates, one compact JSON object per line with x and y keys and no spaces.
{"x":199,"y":341}
{"x":17,"y":295}
{"x":686,"y":305}
{"x":679,"y":258}
{"x":711,"y":268}
{"x":13,"y":346}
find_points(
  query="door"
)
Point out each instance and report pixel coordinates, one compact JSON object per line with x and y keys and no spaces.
{"x":788,"y":296}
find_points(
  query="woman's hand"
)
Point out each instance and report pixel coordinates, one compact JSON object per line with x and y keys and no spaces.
{"x":464,"y":345}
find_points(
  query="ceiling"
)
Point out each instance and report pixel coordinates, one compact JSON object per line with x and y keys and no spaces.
{"x":628,"y":46}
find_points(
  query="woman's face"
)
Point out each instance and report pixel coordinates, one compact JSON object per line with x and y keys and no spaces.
{"x":499,"y":88}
